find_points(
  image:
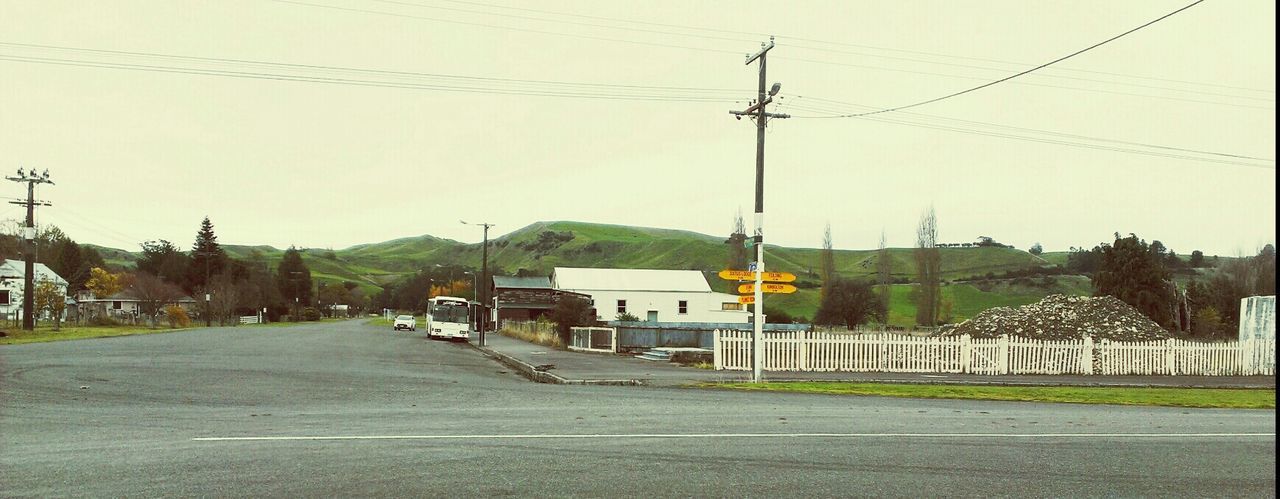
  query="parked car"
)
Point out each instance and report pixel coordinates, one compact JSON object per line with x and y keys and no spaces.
{"x":405,"y":322}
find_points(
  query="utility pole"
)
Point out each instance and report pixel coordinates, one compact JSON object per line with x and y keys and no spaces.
{"x":484,"y":273}
{"x":208,"y":305}
{"x":757,"y":111}
{"x":28,"y":244}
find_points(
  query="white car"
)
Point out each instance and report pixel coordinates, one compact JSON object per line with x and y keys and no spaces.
{"x":405,"y":322}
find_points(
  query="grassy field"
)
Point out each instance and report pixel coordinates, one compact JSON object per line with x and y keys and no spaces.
{"x":1172,"y":397}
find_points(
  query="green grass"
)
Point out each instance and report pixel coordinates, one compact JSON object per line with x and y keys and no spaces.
{"x":16,"y":336}
{"x":1223,"y":398}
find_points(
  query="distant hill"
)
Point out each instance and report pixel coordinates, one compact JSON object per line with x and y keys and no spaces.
{"x":542,"y":246}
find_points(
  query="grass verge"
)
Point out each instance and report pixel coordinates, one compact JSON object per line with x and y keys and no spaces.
{"x":16,"y":336}
{"x":1223,"y":398}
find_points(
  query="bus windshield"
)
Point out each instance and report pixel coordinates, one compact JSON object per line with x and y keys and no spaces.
{"x":449,"y":312}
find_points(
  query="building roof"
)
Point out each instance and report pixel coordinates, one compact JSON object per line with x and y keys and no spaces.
{"x":533,"y":282}
{"x":580,"y":279}
{"x":16,"y":269}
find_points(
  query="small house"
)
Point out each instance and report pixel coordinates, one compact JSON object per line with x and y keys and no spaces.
{"x":651,"y":295}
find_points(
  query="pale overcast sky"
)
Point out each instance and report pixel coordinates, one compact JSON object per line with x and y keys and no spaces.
{"x":1168,"y":132}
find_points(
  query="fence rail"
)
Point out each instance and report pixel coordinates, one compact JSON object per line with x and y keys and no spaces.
{"x":819,"y":351}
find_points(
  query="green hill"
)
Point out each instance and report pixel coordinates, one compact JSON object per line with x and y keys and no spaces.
{"x":542,"y":246}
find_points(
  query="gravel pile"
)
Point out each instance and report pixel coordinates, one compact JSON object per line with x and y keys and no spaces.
{"x":1060,"y":317}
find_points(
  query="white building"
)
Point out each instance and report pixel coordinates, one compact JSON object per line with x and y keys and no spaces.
{"x":12,"y":273}
{"x":651,"y":295}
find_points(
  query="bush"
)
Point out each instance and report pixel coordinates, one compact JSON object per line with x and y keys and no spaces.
{"x":310,"y":314}
{"x":177,"y":316}
{"x":102,"y":320}
{"x":627,"y":317}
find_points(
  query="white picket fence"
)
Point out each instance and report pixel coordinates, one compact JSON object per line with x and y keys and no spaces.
{"x":819,"y":351}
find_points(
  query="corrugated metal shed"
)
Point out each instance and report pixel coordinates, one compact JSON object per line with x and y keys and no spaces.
{"x":580,"y":279}
{"x":532,"y":282}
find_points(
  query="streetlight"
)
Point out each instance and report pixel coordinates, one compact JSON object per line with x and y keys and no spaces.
{"x":484,"y":273}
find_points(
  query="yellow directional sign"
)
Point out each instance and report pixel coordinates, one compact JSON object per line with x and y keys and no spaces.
{"x":747,"y":275}
{"x":747,"y":299}
{"x":737,"y":275}
{"x":778,"y":277}
{"x":767,"y":287}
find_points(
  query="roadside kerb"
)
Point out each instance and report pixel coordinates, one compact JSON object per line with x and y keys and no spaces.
{"x":529,"y":371}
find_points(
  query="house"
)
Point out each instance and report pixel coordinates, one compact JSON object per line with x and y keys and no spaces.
{"x":12,"y":279}
{"x":126,"y":304}
{"x":651,"y":295}
{"x":525,"y":298}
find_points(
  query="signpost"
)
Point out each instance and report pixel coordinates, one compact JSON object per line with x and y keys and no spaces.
{"x":767,"y":287}
{"x":749,"y":275}
{"x":747,"y":300}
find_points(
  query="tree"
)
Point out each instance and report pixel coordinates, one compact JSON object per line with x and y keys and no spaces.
{"x":1197,"y":259}
{"x":293,"y":278}
{"x":828,"y":260}
{"x":884,"y":273}
{"x":165,"y":261}
{"x":103,"y":284}
{"x":626,"y":317}
{"x":153,"y":294}
{"x":50,"y":297}
{"x":850,"y":303}
{"x":571,"y":311}
{"x":738,"y":244}
{"x":1132,"y":272}
{"x":224,"y":295}
{"x":1084,"y":261}
{"x":1036,"y":249}
{"x":207,"y":257}
{"x":1265,"y":271}
{"x":928,"y":270}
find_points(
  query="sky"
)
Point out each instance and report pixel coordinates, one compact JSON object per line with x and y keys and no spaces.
{"x":331,"y":123}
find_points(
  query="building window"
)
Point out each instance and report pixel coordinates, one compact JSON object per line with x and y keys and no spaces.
{"x":683,"y":306}
{"x":730,"y":306}
{"x":4,"y":297}
{"x":622,"y":306}
{"x":115,"y":305}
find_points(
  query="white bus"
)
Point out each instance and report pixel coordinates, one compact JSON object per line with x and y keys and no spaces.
{"x":448,"y":317}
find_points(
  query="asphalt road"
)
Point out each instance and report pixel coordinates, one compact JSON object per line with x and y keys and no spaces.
{"x":351,"y":410}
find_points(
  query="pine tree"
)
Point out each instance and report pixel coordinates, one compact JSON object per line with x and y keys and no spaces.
{"x":293,"y":279}
{"x":207,"y":257}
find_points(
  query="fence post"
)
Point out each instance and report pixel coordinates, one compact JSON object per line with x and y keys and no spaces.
{"x":1086,"y":356}
{"x":802,"y":351}
{"x":1246,"y":356}
{"x":1170,"y":356}
{"x":1003,"y":345}
{"x":716,"y":361}
{"x":966,"y":354}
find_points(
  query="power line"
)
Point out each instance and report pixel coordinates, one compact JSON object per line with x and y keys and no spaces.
{"x":367,"y":83}
{"x":1041,"y":131}
{"x":811,"y":61}
{"x":1048,"y":140}
{"x":1010,"y":77}
{"x":1016,"y":74}
{"x":1027,"y":83}
{"x":843,"y":44}
{"x":389,"y":73}
{"x":496,"y":26}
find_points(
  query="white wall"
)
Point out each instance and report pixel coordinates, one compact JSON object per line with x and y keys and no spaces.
{"x":703,"y":307}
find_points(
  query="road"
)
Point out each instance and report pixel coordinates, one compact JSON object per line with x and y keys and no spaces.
{"x":348,"y":409}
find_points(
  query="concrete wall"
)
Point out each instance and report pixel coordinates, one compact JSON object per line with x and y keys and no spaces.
{"x":642,"y":335}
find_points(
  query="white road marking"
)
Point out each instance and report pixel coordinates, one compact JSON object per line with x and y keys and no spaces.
{"x":733,"y":435}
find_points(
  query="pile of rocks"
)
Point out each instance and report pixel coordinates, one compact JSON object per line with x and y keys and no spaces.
{"x":1059,"y":317}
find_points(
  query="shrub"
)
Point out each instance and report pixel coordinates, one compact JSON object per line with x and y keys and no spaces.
{"x":102,"y":320}
{"x":627,"y":317}
{"x":177,"y":316}
{"x":310,"y":314}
